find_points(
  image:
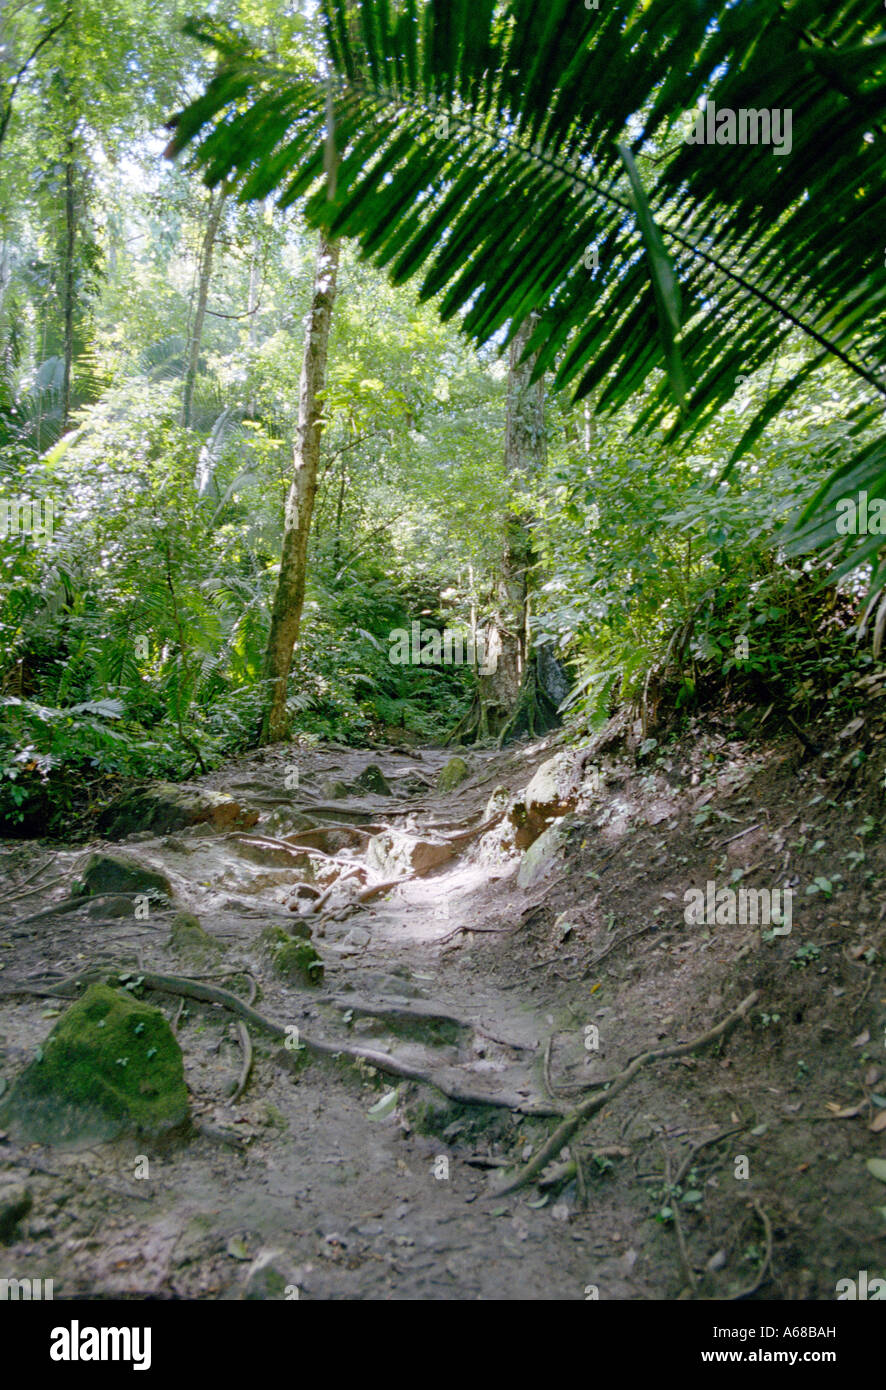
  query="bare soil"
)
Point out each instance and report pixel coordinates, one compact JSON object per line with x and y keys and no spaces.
{"x":494,"y":991}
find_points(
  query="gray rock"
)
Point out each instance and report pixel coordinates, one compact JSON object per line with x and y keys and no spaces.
{"x":395,"y":855}
{"x":267,"y":1277}
{"x":372,"y":779}
{"x":335,"y":791}
{"x":543,"y":855}
{"x":15,"y":1203}
{"x":191,"y":943}
{"x":164,"y":806}
{"x":118,"y":872}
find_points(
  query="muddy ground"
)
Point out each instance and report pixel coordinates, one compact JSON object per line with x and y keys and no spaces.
{"x":737,"y":1170}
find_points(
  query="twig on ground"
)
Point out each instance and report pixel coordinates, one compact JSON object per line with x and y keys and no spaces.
{"x":688,"y":1272}
{"x":564,"y":1132}
{"x":739,"y":836}
{"x":484,"y":931}
{"x":621,"y":941}
{"x":767,"y":1257}
{"x":695,"y":1149}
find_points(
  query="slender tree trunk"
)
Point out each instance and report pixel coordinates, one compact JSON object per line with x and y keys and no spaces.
{"x":510,"y":698}
{"x":207,"y":250}
{"x":289,"y":597}
{"x":68,"y":278}
{"x":524,"y":456}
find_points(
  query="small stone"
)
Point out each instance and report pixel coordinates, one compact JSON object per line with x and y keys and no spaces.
{"x":266,"y":1277}
{"x":357,"y":936}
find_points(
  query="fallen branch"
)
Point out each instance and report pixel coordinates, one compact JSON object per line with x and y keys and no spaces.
{"x":564,"y":1132}
{"x":621,"y":941}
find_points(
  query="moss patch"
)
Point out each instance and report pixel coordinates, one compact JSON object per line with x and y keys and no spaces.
{"x":453,"y":774}
{"x":372,"y":779}
{"x":291,"y":959}
{"x":111,"y":1066}
{"x":299,"y":962}
{"x":190,"y":942}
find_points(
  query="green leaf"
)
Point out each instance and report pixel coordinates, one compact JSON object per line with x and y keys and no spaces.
{"x":877,"y":1168}
{"x":664,"y":282}
{"x":385,"y":1106}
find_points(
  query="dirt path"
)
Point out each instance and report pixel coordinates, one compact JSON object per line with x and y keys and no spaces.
{"x":490,"y":989}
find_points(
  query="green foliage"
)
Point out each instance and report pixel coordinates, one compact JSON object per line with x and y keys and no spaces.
{"x":490,"y":149}
{"x":725,"y":339}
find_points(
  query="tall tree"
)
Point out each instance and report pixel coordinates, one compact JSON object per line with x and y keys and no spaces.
{"x":511,"y":696}
{"x":214,"y":212}
{"x":290,"y":593}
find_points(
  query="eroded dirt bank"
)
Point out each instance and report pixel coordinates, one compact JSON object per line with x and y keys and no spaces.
{"x":503,"y":967}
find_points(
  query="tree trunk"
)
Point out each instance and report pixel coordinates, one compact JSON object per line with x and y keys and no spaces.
{"x":511,"y":698}
{"x":213,"y":221}
{"x":68,"y":279}
{"x":290,"y":594}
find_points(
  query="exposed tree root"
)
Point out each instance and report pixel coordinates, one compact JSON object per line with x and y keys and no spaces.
{"x":364,"y":831}
{"x":180,"y":985}
{"x":564,"y":1132}
{"x":71,"y":905}
{"x":246,"y":1045}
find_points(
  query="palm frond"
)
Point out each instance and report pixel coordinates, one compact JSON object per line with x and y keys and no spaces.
{"x":488,"y":151}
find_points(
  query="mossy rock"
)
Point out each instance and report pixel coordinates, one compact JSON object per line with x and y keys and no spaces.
{"x":291,"y":959}
{"x":335,"y":791}
{"x":438,"y":1117}
{"x":372,"y":779}
{"x":298,"y":962}
{"x":110,"y":1067}
{"x":191,"y":943}
{"x":453,"y":774}
{"x":164,"y":806}
{"x":118,"y":873}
